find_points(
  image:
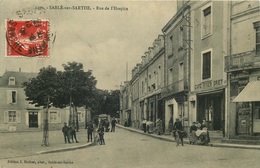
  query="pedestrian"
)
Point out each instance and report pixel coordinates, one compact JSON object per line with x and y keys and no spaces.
{"x":106,"y":125}
{"x":90,"y":129}
{"x":101,"y":135}
{"x":113,"y":124}
{"x":170,"y":127}
{"x":159,"y":126}
{"x":144,"y":125}
{"x":95,"y":133}
{"x":65,"y":130}
{"x":178,"y":127}
{"x":193,"y":129}
{"x":125,"y":124}
{"x":73,"y":133}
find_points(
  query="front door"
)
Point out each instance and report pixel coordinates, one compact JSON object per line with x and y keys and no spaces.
{"x":33,"y":119}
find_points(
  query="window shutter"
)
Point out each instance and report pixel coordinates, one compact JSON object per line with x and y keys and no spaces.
{"x":18,"y":116}
{"x":6,"y":117}
{"x":27,"y":118}
{"x":9,"y":96}
{"x":39,"y":119}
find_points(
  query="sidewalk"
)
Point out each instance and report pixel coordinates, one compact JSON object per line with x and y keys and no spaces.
{"x":214,"y":143}
{"x":19,"y":144}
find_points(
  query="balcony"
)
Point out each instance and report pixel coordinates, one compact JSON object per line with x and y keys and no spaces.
{"x":242,"y":61}
{"x":176,"y":87}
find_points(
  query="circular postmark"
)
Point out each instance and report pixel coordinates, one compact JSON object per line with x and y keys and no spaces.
{"x":27,"y":37}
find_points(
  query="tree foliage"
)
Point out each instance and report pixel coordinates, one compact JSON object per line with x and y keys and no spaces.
{"x":106,"y":102}
{"x":72,"y":84}
{"x":45,"y":85}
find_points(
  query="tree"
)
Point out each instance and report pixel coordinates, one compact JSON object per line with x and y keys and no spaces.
{"x":41,"y":91}
{"x":77,"y":87}
{"x":106,"y":102}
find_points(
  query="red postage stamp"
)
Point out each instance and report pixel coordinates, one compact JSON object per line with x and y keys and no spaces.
{"x":27,"y":38}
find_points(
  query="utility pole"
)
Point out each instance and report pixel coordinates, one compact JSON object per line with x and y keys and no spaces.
{"x":45,"y":140}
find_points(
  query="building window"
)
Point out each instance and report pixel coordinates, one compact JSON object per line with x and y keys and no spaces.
{"x":170,"y":44}
{"x":11,"y":81}
{"x":80,"y":119}
{"x":206,"y":21}
{"x":11,"y":116}
{"x":181,"y":38}
{"x":53,"y":116}
{"x":11,"y":97}
{"x":206,"y":65}
{"x":181,"y":71}
{"x":170,"y":76}
{"x":257,"y":29}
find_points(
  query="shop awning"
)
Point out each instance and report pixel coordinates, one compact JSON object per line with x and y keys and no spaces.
{"x":250,"y":93}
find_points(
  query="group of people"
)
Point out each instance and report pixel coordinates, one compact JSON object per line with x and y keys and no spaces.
{"x":94,"y":128}
{"x":69,"y":133}
{"x":148,"y":126}
{"x":197,"y":126}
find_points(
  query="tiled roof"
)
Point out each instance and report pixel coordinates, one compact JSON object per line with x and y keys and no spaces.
{"x":20,"y":77}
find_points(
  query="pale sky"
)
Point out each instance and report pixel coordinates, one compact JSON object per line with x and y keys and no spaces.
{"x":103,"y":40}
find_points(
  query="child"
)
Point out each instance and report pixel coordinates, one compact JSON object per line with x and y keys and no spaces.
{"x":101,"y":135}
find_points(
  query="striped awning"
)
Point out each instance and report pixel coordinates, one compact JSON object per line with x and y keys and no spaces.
{"x":250,"y":93}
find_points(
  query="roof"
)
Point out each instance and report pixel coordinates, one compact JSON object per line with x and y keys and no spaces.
{"x":20,"y":77}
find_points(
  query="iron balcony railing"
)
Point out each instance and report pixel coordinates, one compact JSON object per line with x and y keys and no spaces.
{"x":241,"y":61}
{"x":178,"y":86}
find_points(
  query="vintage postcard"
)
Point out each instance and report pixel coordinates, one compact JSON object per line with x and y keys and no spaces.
{"x":129,"y":83}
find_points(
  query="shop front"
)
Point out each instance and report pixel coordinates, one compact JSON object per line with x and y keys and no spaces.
{"x":248,"y":109}
{"x":211,"y":107}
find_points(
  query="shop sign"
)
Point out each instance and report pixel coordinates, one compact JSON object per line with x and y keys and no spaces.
{"x":209,"y":84}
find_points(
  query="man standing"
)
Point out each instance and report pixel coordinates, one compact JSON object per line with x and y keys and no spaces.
{"x":113,"y":124}
{"x":65,"y":130}
{"x":90,"y":129}
{"x":73,"y":134}
{"x":178,"y":127}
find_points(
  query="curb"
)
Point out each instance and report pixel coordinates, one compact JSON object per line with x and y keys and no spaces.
{"x":66,"y":149}
{"x":223,"y":145}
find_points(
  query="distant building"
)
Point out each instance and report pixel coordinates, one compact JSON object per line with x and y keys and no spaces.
{"x":18,"y":115}
{"x":146,"y":85}
{"x":177,"y":66}
{"x":125,"y":104}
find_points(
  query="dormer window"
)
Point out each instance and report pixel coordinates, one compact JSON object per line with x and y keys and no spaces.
{"x":11,"y":81}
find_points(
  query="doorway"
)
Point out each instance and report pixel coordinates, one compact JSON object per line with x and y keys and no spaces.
{"x":33,"y":119}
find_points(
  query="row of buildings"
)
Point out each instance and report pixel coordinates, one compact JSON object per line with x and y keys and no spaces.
{"x":16,"y":114}
{"x":204,"y":66}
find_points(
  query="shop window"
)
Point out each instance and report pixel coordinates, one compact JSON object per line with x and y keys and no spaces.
{"x":257,"y":110}
{"x":257,"y":29}
{"x":206,"y":65}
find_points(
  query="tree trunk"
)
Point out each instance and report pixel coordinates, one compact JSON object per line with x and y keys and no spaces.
{"x":77,"y":118}
{"x":45,"y":140}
